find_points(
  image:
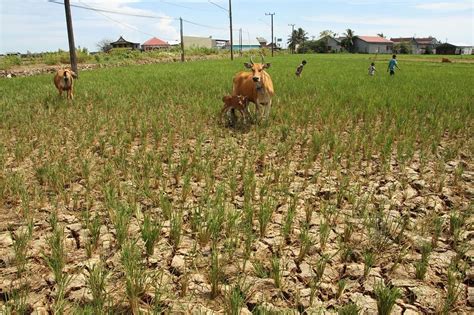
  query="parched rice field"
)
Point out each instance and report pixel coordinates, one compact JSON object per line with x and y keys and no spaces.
{"x":356,"y":196}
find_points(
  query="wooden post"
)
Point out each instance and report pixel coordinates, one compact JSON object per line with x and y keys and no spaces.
{"x":231,"y":35}
{"x":273,"y":43}
{"x":70,"y":35}
{"x":182,"y":41}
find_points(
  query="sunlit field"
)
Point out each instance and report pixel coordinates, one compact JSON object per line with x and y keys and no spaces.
{"x":355,"y":196}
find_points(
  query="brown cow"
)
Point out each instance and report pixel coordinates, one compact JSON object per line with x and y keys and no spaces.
{"x":235,"y":102}
{"x":257,"y":85}
{"x":64,"y":81}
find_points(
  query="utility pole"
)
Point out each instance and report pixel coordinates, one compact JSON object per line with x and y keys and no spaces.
{"x":273,"y":44}
{"x":70,"y":36}
{"x":181,"y":35}
{"x":240,"y":41}
{"x":229,"y":10}
{"x":231,"y":35}
{"x":292,"y":31}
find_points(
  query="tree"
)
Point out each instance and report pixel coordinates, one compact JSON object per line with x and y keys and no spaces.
{"x":104,"y":45}
{"x":327,"y":33}
{"x":313,"y":46}
{"x":402,"y":48}
{"x":297,"y":37}
{"x":324,"y":35}
{"x":349,"y":40}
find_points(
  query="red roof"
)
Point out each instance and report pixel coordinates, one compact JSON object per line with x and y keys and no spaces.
{"x":375,"y":39}
{"x":155,"y":42}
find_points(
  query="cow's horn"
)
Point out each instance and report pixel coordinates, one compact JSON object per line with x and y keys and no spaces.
{"x":263,"y":58}
{"x":251,"y":60}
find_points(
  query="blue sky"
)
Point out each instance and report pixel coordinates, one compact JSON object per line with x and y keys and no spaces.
{"x":38,"y":25}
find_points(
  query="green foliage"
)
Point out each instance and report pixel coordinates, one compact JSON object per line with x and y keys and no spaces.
{"x":386,"y":297}
{"x":402,"y":48}
{"x":9,"y":62}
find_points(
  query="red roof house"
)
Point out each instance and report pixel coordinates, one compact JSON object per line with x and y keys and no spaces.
{"x":155,"y":43}
{"x":373,"y":45}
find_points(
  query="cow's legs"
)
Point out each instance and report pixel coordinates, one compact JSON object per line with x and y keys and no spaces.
{"x":257,"y":111}
{"x":267,"y":109}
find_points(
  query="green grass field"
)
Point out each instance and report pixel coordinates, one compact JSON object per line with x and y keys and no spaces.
{"x":355,"y":196}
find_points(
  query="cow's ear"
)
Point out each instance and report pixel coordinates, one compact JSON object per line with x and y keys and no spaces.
{"x":267,"y":65}
{"x":248,"y":65}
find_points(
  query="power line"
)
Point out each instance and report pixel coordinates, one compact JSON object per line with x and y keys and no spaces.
{"x":204,"y":25}
{"x":118,"y":22}
{"x":117,"y":12}
{"x":87,"y":7}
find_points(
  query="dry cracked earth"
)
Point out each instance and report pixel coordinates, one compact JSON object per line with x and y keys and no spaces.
{"x":409,"y":197}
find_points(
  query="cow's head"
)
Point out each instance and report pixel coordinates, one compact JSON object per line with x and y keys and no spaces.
{"x":257,"y":69}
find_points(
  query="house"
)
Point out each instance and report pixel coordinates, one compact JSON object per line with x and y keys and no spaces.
{"x":450,"y":49}
{"x":418,"y":45}
{"x":204,"y":42}
{"x":122,"y":43}
{"x":463,"y":49}
{"x":154,"y":43}
{"x":262,"y":41}
{"x":373,"y":45}
{"x":332,"y":44}
{"x":247,"y":44}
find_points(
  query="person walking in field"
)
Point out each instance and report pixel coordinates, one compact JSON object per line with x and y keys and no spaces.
{"x":299,"y":70}
{"x":372,"y":69}
{"x":392,"y":64}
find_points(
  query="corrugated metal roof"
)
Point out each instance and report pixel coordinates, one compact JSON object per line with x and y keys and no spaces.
{"x":375,"y":39}
{"x":155,"y":42}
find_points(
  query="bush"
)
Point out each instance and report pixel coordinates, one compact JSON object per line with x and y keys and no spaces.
{"x":9,"y":61}
{"x":402,"y":48}
{"x":313,"y":46}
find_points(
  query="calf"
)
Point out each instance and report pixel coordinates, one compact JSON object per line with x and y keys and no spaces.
{"x":235,"y":102}
{"x":64,"y":81}
{"x":256,"y":85}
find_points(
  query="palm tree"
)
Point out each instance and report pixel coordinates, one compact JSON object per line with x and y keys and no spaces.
{"x":297,"y":37}
{"x":348,"y":41}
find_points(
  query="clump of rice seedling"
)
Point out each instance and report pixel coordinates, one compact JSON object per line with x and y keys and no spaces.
{"x":56,"y":262}
{"x":288,"y":222}
{"x":97,"y":281}
{"x":94,"y":233}
{"x":264,"y":215}
{"x":454,"y":290}
{"x":260,"y":269}
{"x":386,"y":297}
{"x":341,"y":287}
{"x":324,"y":231}
{"x":136,"y":276}
{"x":320,"y":267}
{"x":121,"y":221}
{"x":214,"y":273}
{"x":456,"y":222}
{"x":276,"y":271}
{"x":369,"y":261}
{"x":150,"y":231}
{"x":20,"y":247}
{"x":235,"y":299}
{"x":349,"y":309}
{"x":422,"y":265}
{"x":176,"y":229}
{"x":306,"y":242}
{"x":166,"y":206}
